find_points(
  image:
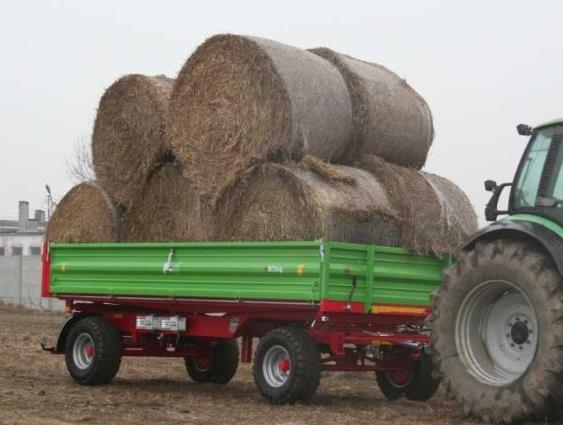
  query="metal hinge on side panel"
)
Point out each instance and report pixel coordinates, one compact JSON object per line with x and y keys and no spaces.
{"x":322,"y":252}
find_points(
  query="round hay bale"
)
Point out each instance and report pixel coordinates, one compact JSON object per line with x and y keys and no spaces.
{"x":240,"y":101}
{"x":458,"y":217}
{"x":167,"y":210}
{"x":85,"y":214}
{"x":129,"y":137}
{"x":436,"y":216}
{"x":291,"y":202}
{"x":391,"y":119}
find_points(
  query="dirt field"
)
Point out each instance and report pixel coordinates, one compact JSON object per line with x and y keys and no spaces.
{"x":35,"y":388}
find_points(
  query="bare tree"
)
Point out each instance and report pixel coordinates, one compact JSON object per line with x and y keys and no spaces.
{"x":79,"y":164}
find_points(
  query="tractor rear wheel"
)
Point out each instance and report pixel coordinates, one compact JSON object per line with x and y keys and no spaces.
{"x":287,"y":366}
{"x":219,"y":368}
{"x":497,"y":332}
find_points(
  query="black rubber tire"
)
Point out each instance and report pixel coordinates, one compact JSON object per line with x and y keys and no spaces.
{"x":222,"y":368}
{"x":387,"y":387}
{"x":422,"y":386}
{"x":305,"y":372}
{"x":536,"y":394}
{"x":424,"y":383}
{"x":107,"y":355}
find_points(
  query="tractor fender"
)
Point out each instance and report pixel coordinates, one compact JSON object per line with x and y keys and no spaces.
{"x":67,"y":324}
{"x":524,"y":231}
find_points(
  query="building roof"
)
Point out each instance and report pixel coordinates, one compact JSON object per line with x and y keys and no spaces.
{"x":9,"y":226}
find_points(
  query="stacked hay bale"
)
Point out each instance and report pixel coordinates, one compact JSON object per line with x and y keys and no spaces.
{"x":305,"y":201}
{"x":240,"y":101}
{"x":436,"y":216}
{"x":391,"y":120}
{"x":128,"y":144}
{"x":258,"y":140}
{"x":168,"y":209}
{"x":129,"y":137}
{"x":85,"y":214}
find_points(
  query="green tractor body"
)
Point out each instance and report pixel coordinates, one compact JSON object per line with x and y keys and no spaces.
{"x":497,"y":322}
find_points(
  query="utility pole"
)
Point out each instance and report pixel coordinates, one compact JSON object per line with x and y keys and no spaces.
{"x":49,"y":212}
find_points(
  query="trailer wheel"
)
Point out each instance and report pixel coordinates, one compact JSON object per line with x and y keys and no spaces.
{"x":93,"y":351}
{"x":219,"y":368}
{"x":497,"y":332}
{"x":392,"y":385}
{"x":424,"y":383}
{"x":287,"y":366}
{"x":417,"y":384}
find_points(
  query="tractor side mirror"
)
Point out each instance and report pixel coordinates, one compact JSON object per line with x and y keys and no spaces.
{"x":490,"y":185}
{"x":524,"y":130}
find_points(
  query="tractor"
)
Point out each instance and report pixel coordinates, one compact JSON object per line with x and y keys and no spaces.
{"x":497,"y":321}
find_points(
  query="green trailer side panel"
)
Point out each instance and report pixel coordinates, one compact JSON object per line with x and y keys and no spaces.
{"x":385,"y":275}
{"x":344,"y":262}
{"x":222,"y":270}
{"x":403,"y":278}
{"x":303,"y":271}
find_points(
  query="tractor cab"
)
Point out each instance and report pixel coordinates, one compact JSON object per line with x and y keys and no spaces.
{"x":538,"y":185}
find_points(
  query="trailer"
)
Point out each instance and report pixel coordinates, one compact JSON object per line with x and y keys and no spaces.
{"x":314,"y":305}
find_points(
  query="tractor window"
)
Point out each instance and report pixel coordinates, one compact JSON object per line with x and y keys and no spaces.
{"x":526,"y":190}
{"x":555,"y":185}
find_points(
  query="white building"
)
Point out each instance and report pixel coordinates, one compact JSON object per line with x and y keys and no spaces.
{"x":23,"y":236}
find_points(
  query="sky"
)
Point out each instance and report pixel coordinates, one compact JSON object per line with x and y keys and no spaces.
{"x":483,"y":67}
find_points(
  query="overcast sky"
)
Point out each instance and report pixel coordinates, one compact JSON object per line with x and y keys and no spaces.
{"x":483,"y":66}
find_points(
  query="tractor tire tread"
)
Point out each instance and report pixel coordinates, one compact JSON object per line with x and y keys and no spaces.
{"x":537,"y":394}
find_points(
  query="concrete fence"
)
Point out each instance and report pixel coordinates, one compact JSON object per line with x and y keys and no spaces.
{"x":20,"y":283}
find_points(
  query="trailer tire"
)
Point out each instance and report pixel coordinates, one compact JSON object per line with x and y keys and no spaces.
{"x":524,"y":332}
{"x":421,"y":385}
{"x":287,"y":366}
{"x":93,"y":351}
{"x":221,"y":368}
{"x":388,"y":386}
{"x":424,"y":384}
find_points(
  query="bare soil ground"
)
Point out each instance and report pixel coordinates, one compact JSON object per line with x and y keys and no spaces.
{"x":35,"y":388}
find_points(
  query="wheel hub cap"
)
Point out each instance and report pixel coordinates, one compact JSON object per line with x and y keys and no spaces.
{"x":496,"y":332}
{"x":284,"y":365}
{"x":400,"y":378}
{"x":83,"y":351}
{"x":276,"y":366}
{"x":520,"y":333}
{"x":202,"y":363}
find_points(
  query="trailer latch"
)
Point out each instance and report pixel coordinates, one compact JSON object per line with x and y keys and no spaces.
{"x":351,"y":294}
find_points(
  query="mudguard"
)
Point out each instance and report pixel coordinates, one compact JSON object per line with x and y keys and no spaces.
{"x":67,"y":324}
{"x":522,"y":230}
